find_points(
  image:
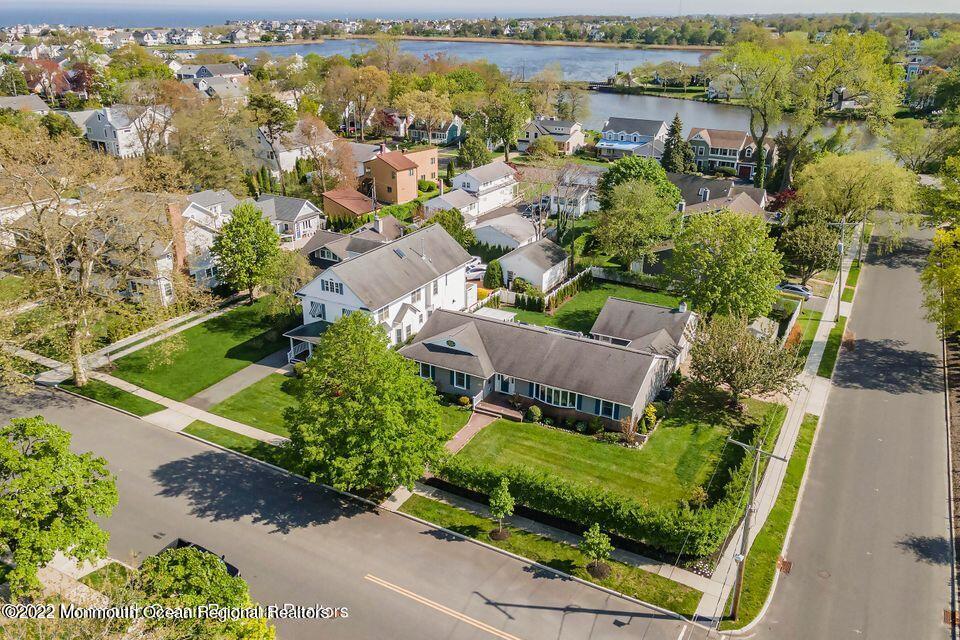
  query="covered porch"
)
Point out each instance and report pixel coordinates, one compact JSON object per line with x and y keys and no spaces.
{"x":303,"y":338}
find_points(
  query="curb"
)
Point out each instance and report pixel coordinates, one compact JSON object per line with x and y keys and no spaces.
{"x":950,"y":494}
{"x":93,"y":400}
{"x":503,"y":552}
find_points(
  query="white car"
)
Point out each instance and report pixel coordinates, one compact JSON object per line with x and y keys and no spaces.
{"x":477,"y":272}
{"x":801,"y":290}
{"x":474,"y":261}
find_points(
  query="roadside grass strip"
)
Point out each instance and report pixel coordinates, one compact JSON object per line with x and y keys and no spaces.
{"x":111,"y":395}
{"x":832,"y":350}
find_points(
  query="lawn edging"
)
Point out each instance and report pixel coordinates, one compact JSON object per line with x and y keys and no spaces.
{"x":95,"y":401}
{"x":460,"y":536}
{"x":747,"y":628}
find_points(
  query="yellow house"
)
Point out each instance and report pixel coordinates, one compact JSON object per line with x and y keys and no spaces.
{"x":395,"y":173}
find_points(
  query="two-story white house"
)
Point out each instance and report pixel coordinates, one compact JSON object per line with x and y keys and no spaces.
{"x":295,"y":219}
{"x":122,"y":130}
{"x":399,"y":284}
{"x":494,"y":185}
{"x":632,"y":137}
{"x":568,"y":134}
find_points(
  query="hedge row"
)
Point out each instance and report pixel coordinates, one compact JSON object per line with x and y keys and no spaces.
{"x":681,"y":529}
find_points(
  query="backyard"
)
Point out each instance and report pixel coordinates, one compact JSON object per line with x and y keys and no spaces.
{"x":580,"y":312}
{"x":681,"y":454}
{"x":211,"y":351}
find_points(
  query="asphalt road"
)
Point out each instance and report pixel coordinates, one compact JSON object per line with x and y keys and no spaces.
{"x":297,"y":543}
{"x":871,"y":547}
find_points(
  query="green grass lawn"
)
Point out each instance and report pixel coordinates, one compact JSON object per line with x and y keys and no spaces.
{"x":453,"y":418}
{"x":109,"y":394}
{"x":12,"y":289}
{"x":632,"y":581}
{"x":580,"y":312}
{"x":261,"y":404}
{"x":808,"y":321}
{"x":212,"y":351}
{"x":680,"y":455}
{"x":766,"y":548}
{"x":108,"y":577}
{"x":832,"y":350}
{"x":852,"y":278}
{"x":240,"y":443}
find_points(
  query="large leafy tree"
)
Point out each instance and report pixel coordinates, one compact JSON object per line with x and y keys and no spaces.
{"x":246,"y":248}
{"x":727,"y":354}
{"x":503,"y":117}
{"x":452,"y":222}
{"x":473,"y":152}
{"x":431,"y":108}
{"x":943,"y":203}
{"x":214,"y":146}
{"x":48,"y":495}
{"x":725,"y":263}
{"x":285,"y":275}
{"x":275,"y":119}
{"x":633,"y":168}
{"x":677,"y":152}
{"x":941,"y":282}
{"x":921,"y":148}
{"x":637,"y":219}
{"x":809,"y":248}
{"x":365,"y":419}
{"x":190,"y":578}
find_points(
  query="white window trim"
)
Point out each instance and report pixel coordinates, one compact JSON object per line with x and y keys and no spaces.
{"x":457,"y":386}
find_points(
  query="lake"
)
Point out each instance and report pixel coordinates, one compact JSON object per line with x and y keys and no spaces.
{"x":518,"y":60}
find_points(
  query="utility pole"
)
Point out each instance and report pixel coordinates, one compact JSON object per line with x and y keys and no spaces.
{"x":741,"y":558}
{"x":840,"y":250}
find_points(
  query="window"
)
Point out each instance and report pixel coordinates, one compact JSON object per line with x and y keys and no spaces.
{"x":398,"y":335}
{"x":749,"y":152}
{"x":459,"y":380}
{"x":326,"y":254}
{"x":426,"y":370}
{"x":416,"y":296}
{"x":167,"y":290}
{"x":554,"y":396}
{"x":332,"y":286}
{"x":436,"y":287}
{"x":382,"y":315}
{"x":410,"y":172}
{"x":699,"y":151}
{"x":606,"y":409}
{"x":393,"y":174}
{"x":318,"y":310}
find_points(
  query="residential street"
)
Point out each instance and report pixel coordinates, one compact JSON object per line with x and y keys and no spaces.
{"x":301,"y":544}
{"x":871,"y":548}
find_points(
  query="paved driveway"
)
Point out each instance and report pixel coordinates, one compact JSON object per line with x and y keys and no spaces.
{"x":298,"y":543}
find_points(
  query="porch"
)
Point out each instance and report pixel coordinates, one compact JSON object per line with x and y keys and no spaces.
{"x":498,"y":404}
{"x":303,"y":338}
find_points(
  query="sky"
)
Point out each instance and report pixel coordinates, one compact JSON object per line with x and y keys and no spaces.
{"x":172,"y":12}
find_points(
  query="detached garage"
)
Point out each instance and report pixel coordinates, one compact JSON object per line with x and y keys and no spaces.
{"x":542,"y":263}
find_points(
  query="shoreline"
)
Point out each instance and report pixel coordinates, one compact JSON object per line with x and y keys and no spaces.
{"x":474,"y":39}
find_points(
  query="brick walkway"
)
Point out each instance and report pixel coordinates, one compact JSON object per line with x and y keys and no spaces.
{"x":460,"y":439}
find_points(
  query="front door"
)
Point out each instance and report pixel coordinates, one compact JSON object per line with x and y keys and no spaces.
{"x":506,"y":385}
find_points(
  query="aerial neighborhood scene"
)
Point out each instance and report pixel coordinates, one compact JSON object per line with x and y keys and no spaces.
{"x":508,"y":321}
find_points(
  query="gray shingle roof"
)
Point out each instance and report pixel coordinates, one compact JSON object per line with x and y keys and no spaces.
{"x":484,"y":346}
{"x":285,"y":208}
{"x":544,"y":253}
{"x":690,"y":186}
{"x":211,"y":197}
{"x":392,"y":270}
{"x":648,"y":327}
{"x":490,"y":172}
{"x":455,"y":199}
{"x":634,"y":125}
{"x":29,"y":102}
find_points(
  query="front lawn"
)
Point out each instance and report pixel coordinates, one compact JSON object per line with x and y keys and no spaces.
{"x":624,"y":578}
{"x":261,"y":405}
{"x":212,"y":351}
{"x":580,"y":312}
{"x":680,"y":455}
{"x":12,"y":289}
{"x":807,"y":324}
{"x":453,"y":418}
{"x":240,"y":443}
{"x":108,"y":578}
{"x":109,"y":394}
{"x":832,"y":350}
{"x":766,"y":547}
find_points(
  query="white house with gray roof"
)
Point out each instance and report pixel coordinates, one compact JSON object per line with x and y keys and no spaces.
{"x":543,"y":264}
{"x":120,"y":130}
{"x":632,"y":137}
{"x":295,"y":219}
{"x":568,"y":134}
{"x":465,"y":203}
{"x":493,"y":184}
{"x":399,"y":284}
{"x":509,"y":230}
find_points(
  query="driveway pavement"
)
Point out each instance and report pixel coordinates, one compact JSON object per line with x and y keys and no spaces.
{"x":871,"y":548}
{"x":299,"y":543}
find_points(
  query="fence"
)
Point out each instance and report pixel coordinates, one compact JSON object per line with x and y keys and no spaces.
{"x":494,"y":295}
{"x":550,"y":296}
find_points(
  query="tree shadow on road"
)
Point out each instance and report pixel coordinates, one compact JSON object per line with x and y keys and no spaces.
{"x":910,"y":253}
{"x":886,"y":365}
{"x":927,"y":549}
{"x":223,"y":486}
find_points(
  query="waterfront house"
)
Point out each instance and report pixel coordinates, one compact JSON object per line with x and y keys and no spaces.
{"x":736,"y":150}
{"x":632,"y":137}
{"x":494,"y":185}
{"x":444,"y":134}
{"x":568,"y":134}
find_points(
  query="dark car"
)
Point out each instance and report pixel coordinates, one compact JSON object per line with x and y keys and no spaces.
{"x":180,"y":543}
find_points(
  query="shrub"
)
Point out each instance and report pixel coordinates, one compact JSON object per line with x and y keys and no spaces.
{"x":675,"y":379}
{"x":299,"y":368}
{"x":548,"y":421}
{"x":426,"y":185}
{"x":595,"y":426}
{"x":493,"y":278}
{"x":581,"y":426}
{"x":463,"y":401}
{"x":534,"y":413}
{"x":612,"y":437}
{"x":728,"y":172}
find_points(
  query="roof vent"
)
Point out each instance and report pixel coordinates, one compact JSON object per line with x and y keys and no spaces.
{"x":682,"y":307}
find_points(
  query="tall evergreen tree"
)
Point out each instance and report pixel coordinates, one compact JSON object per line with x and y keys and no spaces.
{"x":677,"y":152}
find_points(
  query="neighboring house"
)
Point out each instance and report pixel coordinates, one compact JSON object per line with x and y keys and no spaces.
{"x":295,"y":219}
{"x":186,"y":71}
{"x":394,"y":177}
{"x":30,"y":102}
{"x":724,"y":87}
{"x":218,"y":202}
{"x":380,"y":229}
{"x":457,"y":199}
{"x":346,"y":203}
{"x":737,"y":201}
{"x":573,"y":200}
{"x":566,"y":133}
{"x":361,"y":154}
{"x":289,"y":147}
{"x":494,"y":185}
{"x":326,"y":248}
{"x":224,"y":70}
{"x":632,"y":137}
{"x":508,"y":230}
{"x":427,"y":160}
{"x":395,"y":124}
{"x":646,"y":327}
{"x":568,"y":376}
{"x":227,"y":90}
{"x":715,"y":148}
{"x":121,"y":130}
{"x":399,"y":284}
{"x":445,"y":134}
{"x":842,"y":99}
{"x":543,"y":264}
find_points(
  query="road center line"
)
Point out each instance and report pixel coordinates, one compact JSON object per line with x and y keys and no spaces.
{"x":442,"y":609}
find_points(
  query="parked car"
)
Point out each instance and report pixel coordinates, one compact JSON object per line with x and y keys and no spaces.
{"x":180,"y":543}
{"x":477,"y":272}
{"x":801,"y":290}
{"x":474,"y":261}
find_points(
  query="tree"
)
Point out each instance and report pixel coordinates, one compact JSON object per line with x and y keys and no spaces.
{"x":943,"y":204}
{"x":544,"y":147}
{"x":365,"y":418}
{"x":47,"y":496}
{"x":941,"y":282}
{"x":275,"y":119}
{"x":505,"y":116}
{"x":58,"y":124}
{"x":677,"y":152}
{"x":809,"y":248}
{"x":572,"y":103}
{"x":727,"y":354}
{"x":366,"y":91}
{"x":158,"y":174}
{"x":190,"y":578}
{"x":80,"y":219}
{"x":287,"y":273}
{"x":921,"y":149}
{"x":12,"y":82}
{"x":637,"y":219}
{"x":635,"y":168}
{"x":596,"y":546}
{"x":725,"y":263}
{"x":215,"y":147}
{"x":493,"y":277}
{"x":501,"y":506}
{"x":452,"y":222}
{"x":245,"y":248}
{"x":431,"y":108}
{"x":473,"y":152}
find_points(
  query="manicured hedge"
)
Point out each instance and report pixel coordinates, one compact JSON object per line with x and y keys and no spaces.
{"x":678,"y":530}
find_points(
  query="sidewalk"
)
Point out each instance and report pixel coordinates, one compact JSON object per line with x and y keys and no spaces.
{"x":234,"y":383}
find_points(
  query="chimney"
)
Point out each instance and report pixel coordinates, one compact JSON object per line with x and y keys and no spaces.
{"x":704,"y":194}
{"x":383,"y":147}
{"x":681,"y":206}
{"x":682,"y":307}
{"x":377,"y":223}
{"x":175,"y":217}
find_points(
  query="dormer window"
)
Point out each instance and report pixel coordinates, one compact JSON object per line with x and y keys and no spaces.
{"x":749,"y":152}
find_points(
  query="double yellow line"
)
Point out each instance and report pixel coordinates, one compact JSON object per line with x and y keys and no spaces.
{"x":442,"y":609}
